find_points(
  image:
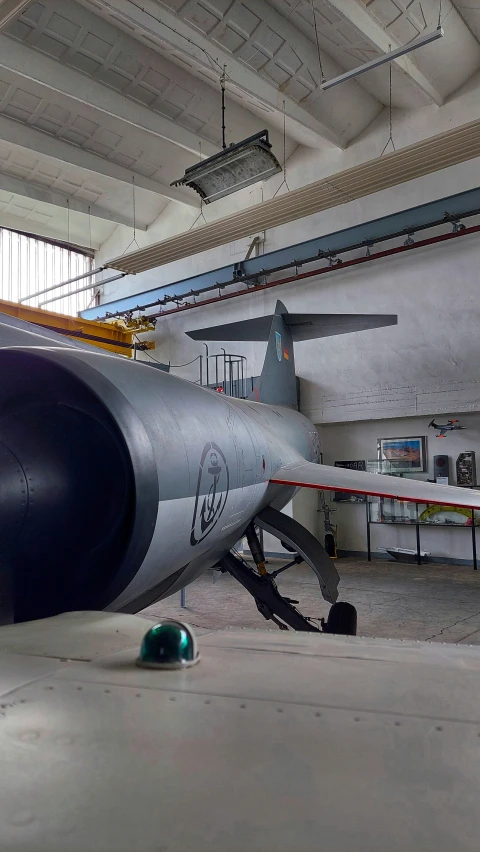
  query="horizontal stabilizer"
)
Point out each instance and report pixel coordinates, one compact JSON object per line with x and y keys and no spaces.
{"x":301,"y":326}
{"x":325,"y":478}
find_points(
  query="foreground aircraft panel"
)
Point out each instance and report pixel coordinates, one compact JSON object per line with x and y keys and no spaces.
{"x":274,"y":742}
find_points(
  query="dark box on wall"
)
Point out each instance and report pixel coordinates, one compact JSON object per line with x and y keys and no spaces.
{"x":441,"y":469}
{"x":466,"y":469}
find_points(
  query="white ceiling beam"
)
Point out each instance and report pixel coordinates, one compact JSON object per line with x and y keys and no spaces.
{"x":26,"y":189}
{"x":29,"y":138}
{"x":54,"y":230}
{"x":166,"y":28}
{"x":358,"y":16}
{"x":32,"y":65}
{"x":10,"y":10}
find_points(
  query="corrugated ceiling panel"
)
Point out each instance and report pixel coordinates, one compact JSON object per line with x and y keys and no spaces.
{"x":430,"y":155}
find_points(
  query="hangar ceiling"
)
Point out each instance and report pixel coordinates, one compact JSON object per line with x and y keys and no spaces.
{"x":97,"y":93}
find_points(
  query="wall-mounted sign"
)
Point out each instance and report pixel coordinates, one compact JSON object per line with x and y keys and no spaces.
{"x":404,"y":454}
{"x":345,"y":496}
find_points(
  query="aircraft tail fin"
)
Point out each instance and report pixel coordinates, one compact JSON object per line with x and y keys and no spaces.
{"x":278,"y":384}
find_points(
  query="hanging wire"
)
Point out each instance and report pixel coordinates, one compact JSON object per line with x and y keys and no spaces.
{"x":284,"y":181}
{"x":390,"y":137}
{"x":452,"y":7}
{"x":222,"y":86}
{"x":322,"y":75}
{"x":201,"y":215}
{"x":68,"y":240}
{"x":439,"y":14}
{"x":89,"y":228}
{"x":134,"y":212}
{"x":172,"y":29}
{"x":172,"y":366}
{"x":177,"y":366}
{"x":275,"y":32}
{"x":134,"y":220}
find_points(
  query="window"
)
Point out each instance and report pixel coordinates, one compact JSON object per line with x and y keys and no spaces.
{"x":30,"y":264}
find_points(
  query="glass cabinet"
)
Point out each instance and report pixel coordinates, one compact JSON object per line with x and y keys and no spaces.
{"x":385,"y":510}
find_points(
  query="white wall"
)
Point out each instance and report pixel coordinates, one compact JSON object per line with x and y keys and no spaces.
{"x":350,"y":441}
{"x":427,"y":364}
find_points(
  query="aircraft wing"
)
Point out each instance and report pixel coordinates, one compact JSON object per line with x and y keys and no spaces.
{"x":326,"y":478}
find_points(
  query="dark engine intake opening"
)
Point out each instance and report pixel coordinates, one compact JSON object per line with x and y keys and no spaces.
{"x":67,"y":496}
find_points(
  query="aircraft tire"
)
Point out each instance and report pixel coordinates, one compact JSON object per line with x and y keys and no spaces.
{"x":342,"y":619}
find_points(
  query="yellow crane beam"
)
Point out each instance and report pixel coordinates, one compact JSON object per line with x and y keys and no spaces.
{"x":116,"y":336}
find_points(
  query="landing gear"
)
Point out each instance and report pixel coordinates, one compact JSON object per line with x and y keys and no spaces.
{"x":342,"y":619}
{"x":274,"y":606}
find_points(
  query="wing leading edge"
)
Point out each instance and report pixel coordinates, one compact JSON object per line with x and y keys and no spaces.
{"x":305,"y":474}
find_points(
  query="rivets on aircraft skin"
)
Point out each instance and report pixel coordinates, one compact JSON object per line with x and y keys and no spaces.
{"x":438,"y":728}
{"x":29,"y":736}
{"x":138,"y":695}
{"x":22,"y":818}
{"x":64,"y":739}
{"x":207,"y":701}
{"x":397,"y":724}
{"x":107,"y":690}
{"x":356,"y":719}
{"x":318,"y":714}
{"x":172,"y":698}
{"x":243,"y":706}
{"x":279,"y":709}
{"x":79,"y":688}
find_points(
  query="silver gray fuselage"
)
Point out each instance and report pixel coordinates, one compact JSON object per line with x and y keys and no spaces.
{"x":200,"y":468}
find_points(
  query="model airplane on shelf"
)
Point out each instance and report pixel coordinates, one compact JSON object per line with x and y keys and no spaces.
{"x":449,"y":426}
{"x":120,"y":483}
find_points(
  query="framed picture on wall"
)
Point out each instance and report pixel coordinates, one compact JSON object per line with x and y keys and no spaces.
{"x":345,"y":496}
{"x":404,"y":454}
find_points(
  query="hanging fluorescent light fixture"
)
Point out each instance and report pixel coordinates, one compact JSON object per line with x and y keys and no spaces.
{"x":382,"y":60}
{"x":234,"y":167}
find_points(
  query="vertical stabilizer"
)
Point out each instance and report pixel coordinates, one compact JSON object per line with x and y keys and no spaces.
{"x":278,"y":384}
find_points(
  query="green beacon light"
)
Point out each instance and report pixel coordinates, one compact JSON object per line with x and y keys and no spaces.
{"x":169,"y":645}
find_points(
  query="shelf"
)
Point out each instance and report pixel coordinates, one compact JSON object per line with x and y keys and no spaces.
{"x":421,"y":524}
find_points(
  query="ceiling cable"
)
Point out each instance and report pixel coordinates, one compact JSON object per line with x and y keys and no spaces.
{"x":68,"y":239}
{"x":222,"y":86}
{"x":134,"y":220}
{"x":163,"y":24}
{"x":322,"y":75}
{"x":390,"y":137}
{"x":284,"y":181}
{"x":274,"y":32}
{"x":89,"y":227}
{"x":134,"y":212}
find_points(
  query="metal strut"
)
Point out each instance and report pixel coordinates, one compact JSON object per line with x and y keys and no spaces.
{"x":268,"y":599}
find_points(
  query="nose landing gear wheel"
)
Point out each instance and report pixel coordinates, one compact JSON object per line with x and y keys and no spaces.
{"x":342,"y":619}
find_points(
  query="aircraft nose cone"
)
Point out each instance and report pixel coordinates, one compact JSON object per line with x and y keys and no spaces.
{"x":13,"y":497}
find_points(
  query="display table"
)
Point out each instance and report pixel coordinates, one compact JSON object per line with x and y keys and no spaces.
{"x":382,"y":510}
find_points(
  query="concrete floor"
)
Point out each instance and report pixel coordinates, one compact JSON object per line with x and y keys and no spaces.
{"x":436,"y":602}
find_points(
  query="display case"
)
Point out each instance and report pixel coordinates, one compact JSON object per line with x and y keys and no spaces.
{"x":386,"y":510}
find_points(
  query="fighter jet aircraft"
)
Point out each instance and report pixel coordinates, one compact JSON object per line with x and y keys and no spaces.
{"x":449,"y":426}
{"x":120,"y":483}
